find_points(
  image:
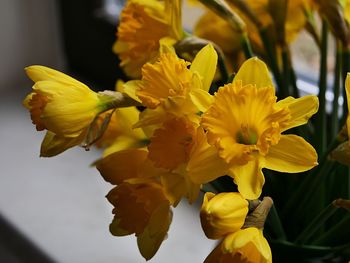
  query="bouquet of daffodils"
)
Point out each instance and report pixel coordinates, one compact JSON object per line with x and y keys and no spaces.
{"x":201,"y":112}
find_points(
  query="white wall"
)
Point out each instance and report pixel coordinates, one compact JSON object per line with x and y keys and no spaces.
{"x":29,"y":34}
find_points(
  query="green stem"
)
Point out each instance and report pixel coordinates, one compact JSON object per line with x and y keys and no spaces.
{"x":316,"y":224}
{"x":271,"y":56}
{"x":293,"y":79}
{"x":222,"y":67}
{"x":336,"y":233}
{"x":321,"y":138}
{"x":274,"y":223}
{"x":247,"y":49}
{"x":286,"y":72}
{"x":336,"y":93}
{"x":317,"y":182}
{"x":305,"y":186}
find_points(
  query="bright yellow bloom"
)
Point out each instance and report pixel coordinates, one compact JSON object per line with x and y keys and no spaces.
{"x":244,"y":246}
{"x":180,"y":147}
{"x":168,"y":86}
{"x":171,"y":145}
{"x":245,"y":124}
{"x":142,"y":209}
{"x":229,"y":40}
{"x":63,"y":106}
{"x":170,"y":148}
{"x":60,"y":103}
{"x":143,"y":24}
{"x":141,"y":204}
{"x":223,"y":214}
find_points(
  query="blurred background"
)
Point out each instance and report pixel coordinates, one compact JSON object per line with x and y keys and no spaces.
{"x":54,"y":210}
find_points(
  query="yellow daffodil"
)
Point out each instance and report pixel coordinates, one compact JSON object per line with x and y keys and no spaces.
{"x":60,"y":103}
{"x":245,"y":124}
{"x":170,"y":148}
{"x":142,"y":209}
{"x":141,"y":204}
{"x":171,"y":144}
{"x":142,"y":26}
{"x":180,"y":147}
{"x":168,"y":86}
{"x":258,"y":17}
{"x":244,"y":246}
{"x":63,"y":106}
{"x":223,"y":214}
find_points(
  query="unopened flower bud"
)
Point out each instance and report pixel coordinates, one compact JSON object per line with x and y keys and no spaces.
{"x":222,"y":214}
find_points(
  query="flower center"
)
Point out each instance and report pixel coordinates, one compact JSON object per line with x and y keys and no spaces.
{"x":247,"y":135}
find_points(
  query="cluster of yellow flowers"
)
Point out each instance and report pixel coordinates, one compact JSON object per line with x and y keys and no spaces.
{"x":184,"y":137}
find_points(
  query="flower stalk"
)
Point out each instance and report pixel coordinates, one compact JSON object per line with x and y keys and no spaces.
{"x":321,"y":135}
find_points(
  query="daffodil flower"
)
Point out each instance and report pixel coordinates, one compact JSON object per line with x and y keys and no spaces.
{"x":142,"y":209}
{"x":142,"y":26}
{"x":63,"y":106}
{"x":180,"y":147}
{"x":245,"y":123}
{"x":141,"y":206}
{"x":243,"y":246}
{"x":169,"y":87}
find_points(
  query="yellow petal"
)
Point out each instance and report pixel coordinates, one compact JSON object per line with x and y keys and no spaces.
{"x":201,"y":99}
{"x":347,"y":89}
{"x":119,"y":166}
{"x":168,"y":77}
{"x":249,"y":178}
{"x":171,"y":144}
{"x":174,"y":186}
{"x":347,"y":11}
{"x":301,"y":109}
{"x":41,"y":73}
{"x":151,"y":117}
{"x":216,"y":255}
{"x":53,"y":144}
{"x":250,"y":244}
{"x":141,"y":25}
{"x":205,"y":65}
{"x":173,"y":13}
{"x":205,"y":164}
{"x":292,"y":155}
{"x":155,"y":232}
{"x":124,"y":142}
{"x":254,"y":71}
{"x":130,"y":89}
{"x":69,"y":109}
{"x":166,"y":45}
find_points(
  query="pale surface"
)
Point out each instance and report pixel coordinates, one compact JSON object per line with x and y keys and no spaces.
{"x":59,"y":202}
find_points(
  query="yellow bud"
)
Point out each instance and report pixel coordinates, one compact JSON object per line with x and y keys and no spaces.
{"x":222,"y":214}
